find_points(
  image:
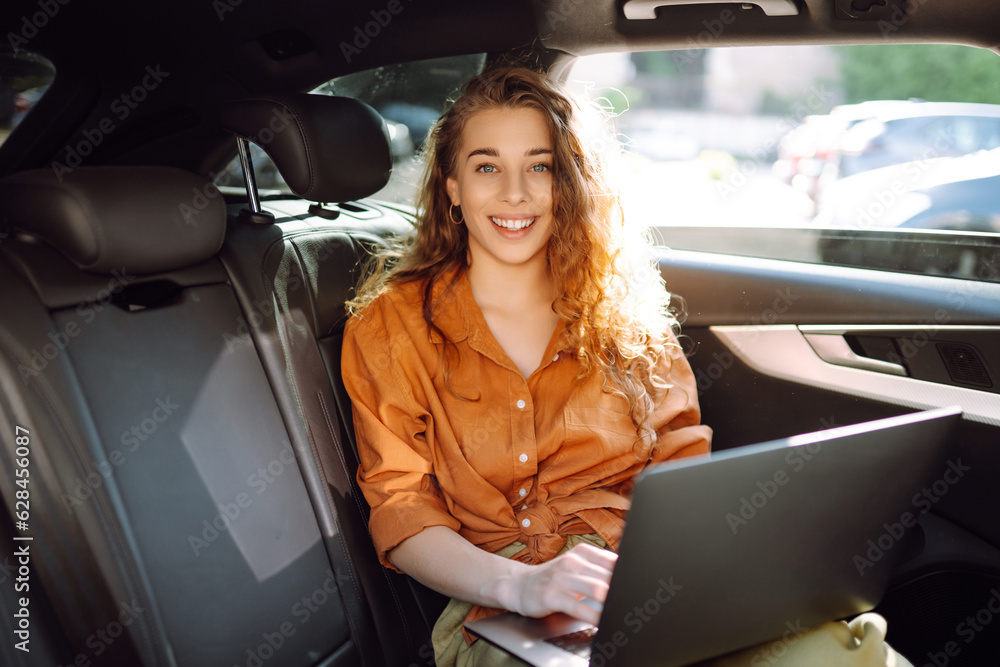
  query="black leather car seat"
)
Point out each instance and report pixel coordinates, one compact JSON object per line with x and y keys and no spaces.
{"x":299,"y":273}
{"x":172,"y":507}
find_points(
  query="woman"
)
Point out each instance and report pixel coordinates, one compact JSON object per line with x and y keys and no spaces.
{"x":513,"y":370}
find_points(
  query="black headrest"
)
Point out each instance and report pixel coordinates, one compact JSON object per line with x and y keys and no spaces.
{"x":147,"y":219}
{"x":328,"y":149}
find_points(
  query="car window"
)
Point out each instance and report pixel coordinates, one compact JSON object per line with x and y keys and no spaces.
{"x":410,"y":96}
{"x":877,"y":156}
{"x":24,"y":78}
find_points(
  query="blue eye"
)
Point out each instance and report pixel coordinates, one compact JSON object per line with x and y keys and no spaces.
{"x":540,"y":168}
{"x":486,"y":168}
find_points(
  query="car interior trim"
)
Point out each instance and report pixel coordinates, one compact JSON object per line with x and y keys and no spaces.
{"x":771,"y":291}
{"x":834,"y":349}
{"x":177,"y":359}
{"x":640,"y":10}
{"x":782,"y":351}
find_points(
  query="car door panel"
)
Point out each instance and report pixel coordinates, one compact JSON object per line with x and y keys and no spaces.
{"x":748,"y":332}
{"x":785,"y":351}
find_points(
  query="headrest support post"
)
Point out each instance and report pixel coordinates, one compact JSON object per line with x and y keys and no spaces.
{"x":255,"y":213}
{"x":247,"y":162}
{"x":320,"y":209}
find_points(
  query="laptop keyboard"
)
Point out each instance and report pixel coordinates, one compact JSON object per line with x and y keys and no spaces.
{"x":578,"y":643}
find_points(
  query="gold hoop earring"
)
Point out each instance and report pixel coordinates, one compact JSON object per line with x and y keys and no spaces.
{"x":451,"y":214}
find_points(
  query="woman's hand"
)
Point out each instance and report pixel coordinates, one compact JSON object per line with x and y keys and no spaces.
{"x":561,"y":584}
{"x":442,"y":559}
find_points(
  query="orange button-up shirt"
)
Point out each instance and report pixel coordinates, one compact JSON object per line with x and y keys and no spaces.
{"x":530,"y":459}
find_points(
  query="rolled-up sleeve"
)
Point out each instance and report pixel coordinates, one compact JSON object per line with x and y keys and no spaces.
{"x":677,"y":417}
{"x":391,"y":430}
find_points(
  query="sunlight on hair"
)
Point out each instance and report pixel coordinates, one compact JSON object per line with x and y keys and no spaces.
{"x":610,"y":291}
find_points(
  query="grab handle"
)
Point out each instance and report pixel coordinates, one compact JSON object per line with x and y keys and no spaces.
{"x":638,"y":10}
{"x":833,"y":349}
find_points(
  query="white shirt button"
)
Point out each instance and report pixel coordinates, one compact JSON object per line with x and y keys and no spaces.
{"x":526,"y":522}
{"x":556,"y":358}
{"x":521,"y":403}
{"x":523,"y":492}
{"x":523,"y":458}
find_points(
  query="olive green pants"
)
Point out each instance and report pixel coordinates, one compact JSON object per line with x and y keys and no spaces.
{"x":860,"y":643}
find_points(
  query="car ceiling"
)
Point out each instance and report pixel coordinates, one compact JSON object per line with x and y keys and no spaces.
{"x":217,"y":50}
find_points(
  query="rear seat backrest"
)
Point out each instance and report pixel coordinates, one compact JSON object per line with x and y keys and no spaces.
{"x":298,"y":276}
{"x":290,"y":280}
{"x":166,"y":479}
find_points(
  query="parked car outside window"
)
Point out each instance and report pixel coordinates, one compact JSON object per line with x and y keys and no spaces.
{"x":780,"y":159}
{"x":24,"y":79}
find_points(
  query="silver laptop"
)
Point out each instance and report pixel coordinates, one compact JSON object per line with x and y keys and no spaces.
{"x":723,"y":552}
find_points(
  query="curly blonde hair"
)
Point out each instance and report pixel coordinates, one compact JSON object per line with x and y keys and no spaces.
{"x":609,"y":288}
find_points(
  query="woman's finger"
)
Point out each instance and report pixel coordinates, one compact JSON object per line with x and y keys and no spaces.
{"x":593,"y":554}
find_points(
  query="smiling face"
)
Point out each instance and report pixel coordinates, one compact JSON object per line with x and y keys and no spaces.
{"x":503,"y":183}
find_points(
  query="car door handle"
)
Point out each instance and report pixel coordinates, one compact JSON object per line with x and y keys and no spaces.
{"x":638,"y":10}
{"x":834,"y":349}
